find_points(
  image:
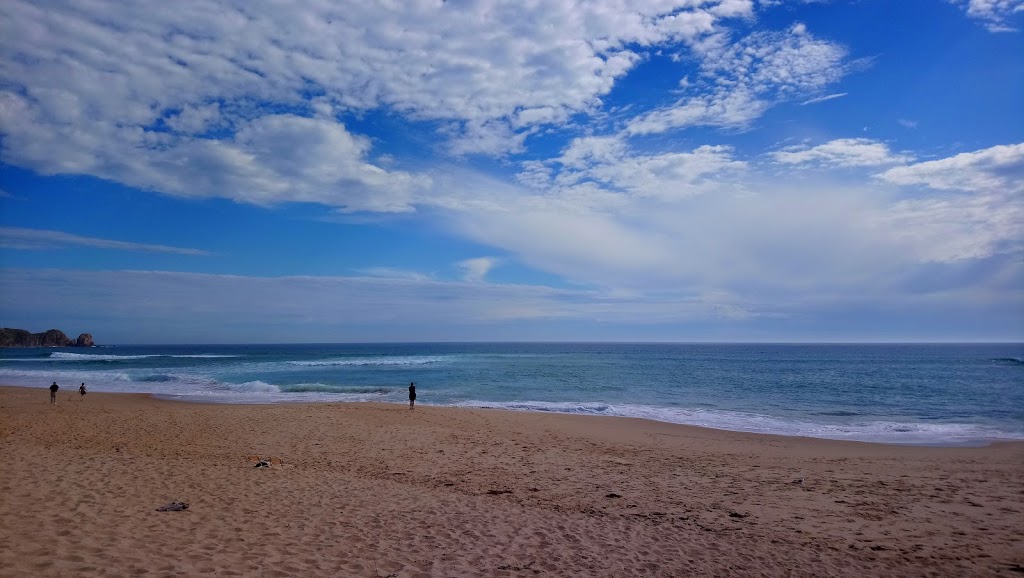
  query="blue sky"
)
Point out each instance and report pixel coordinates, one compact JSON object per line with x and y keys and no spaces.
{"x":654,"y":170}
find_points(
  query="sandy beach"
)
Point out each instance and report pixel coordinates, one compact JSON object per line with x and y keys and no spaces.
{"x":379,"y":490}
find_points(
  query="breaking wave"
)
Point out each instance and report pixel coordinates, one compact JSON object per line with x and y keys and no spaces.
{"x":63,"y":355}
{"x":881,"y":431}
{"x":400,"y":360}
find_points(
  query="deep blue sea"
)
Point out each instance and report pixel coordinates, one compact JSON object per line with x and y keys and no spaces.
{"x":916,"y":394}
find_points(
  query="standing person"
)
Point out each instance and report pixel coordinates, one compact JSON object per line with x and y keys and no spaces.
{"x":81,"y":390}
{"x":412,"y":395}
{"x":53,"y":392}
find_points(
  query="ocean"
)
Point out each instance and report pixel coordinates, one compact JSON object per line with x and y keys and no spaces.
{"x":935,"y":394}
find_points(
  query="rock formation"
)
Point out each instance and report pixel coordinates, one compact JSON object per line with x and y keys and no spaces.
{"x":52,"y":338}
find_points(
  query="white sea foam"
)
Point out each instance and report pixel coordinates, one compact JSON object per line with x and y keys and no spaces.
{"x":65,"y":356}
{"x":918,"y":405}
{"x":33,"y":377}
{"x":259,"y":392}
{"x":253,"y":386}
{"x":348,"y":361}
{"x":924,"y":433}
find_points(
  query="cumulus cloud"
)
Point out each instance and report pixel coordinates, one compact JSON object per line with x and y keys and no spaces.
{"x":845,"y":152}
{"x":204,"y":98}
{"x":161,"y":85}
{"x":271,"y":159}
{"x":158,"y":98}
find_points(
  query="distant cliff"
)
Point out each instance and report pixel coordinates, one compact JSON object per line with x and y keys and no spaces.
{"x":52,"y":338}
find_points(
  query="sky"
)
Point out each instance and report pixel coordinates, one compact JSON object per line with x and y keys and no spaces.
{"x":219,"y":171}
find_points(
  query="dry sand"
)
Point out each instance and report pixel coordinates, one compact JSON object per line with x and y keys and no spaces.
{"x":379,"y":490}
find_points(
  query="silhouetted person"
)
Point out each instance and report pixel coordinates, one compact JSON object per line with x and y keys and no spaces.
{"x":412,"y":395}
{"x":53,"y":392}
{"x":81,"y":391}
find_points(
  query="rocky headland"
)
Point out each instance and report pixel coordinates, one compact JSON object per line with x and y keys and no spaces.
{"x":52,"y":338}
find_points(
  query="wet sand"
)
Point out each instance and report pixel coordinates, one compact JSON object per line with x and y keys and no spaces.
{"x":379,"y":490}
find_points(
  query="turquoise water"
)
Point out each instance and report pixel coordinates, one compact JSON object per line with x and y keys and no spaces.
{"x":923,"y":394}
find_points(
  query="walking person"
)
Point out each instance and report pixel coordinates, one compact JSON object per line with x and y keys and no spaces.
{"x":53,"y":392}
{"x":412,"y":395}
{"x":81,"y":391}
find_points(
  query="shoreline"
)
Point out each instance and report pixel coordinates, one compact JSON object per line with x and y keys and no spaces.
{"x":372,"y":489}
{"x":966,"y":443}
{"x":641,"y":422}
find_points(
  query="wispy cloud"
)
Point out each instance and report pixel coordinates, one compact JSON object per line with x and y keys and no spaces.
{"x":999,"y":168}
{"x":475,"y":270}
{"x":598,"y":168}
{"x":823,"y":98}
{"x":651,"y":204}
{"x":814,"y":232}
{"x":393,"y":273}
{"x":745,"y":78}
{"x":20,"y":238}
{"x":996,"y":15}
{"x":847,"y":152}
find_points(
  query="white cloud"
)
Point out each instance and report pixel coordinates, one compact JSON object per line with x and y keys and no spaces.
{"x":476,"y":269}
{"x":393,"y":273}
{"x":950,"y":229}
{"x":994,"y":14}
{"x":589,"y":221}
{"x":846,"y":152}
{"x":772,"y":3}
{"x":742,"y":80}
{"x":602,"y":171}
{"x":761,"y":251}
{"x":151,"y":97}
{"x":494,"y":138}
{"x":217,"y":99}
{"x":21,"y":238}
{"x":270,"y":159}
{"x":147,"y":78}
{"x":668,"y":176}
{"x":588,"y":151}
{"x":823,"y":98}
{"x":194,"y":120}
{"x":999,"y":168}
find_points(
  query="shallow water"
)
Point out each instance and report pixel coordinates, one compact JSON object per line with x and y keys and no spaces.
{"x":924,"y":394}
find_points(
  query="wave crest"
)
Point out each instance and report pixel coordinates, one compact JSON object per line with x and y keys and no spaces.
{"x":66,"y":356}
{"x":862,"y":430}
{"x":402,"y":360}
